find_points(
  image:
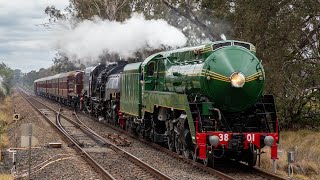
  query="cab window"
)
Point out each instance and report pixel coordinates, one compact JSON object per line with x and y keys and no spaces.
{"x":150,"y":69}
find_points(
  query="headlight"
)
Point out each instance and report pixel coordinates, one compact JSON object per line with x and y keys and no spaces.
{"x":237,"y":79}
{"x":268,"y":140}
{"x":214,"y":140}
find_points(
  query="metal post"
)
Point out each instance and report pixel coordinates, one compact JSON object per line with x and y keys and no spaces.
{"x":30,"y":138}
{"x":0,"y":138}
{"x":15,"y":133}
{"x":290,"y":161}
{"x":274,"y":166}
{"x":14,"y":160}
{"x":212,"y":159}
{"x":259,"y":155}
{"x":15,"y":129}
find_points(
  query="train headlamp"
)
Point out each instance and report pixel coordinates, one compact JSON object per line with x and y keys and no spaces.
{"x":237,"y":79}
{"x":214,"y":140}
{"x":268,"y":140}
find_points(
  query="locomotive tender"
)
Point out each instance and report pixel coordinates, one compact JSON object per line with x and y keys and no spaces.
{"x":205,"y":102}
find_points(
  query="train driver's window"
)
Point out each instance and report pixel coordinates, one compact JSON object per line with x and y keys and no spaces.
{"x":150,"y":69}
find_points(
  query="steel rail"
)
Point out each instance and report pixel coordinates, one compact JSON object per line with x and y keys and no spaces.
{"x":268,"y":174}
{"x":112,"y":146}
{"x":84,"y":129}
{"x":94,"y":164}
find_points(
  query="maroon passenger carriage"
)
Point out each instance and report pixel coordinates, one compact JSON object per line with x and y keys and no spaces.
{"x":65,"y":87}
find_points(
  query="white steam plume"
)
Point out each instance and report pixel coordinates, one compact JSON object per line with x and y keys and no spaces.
{"x":4,"y":91}
{"x":223,"y":37}
{"x":90,"y":39}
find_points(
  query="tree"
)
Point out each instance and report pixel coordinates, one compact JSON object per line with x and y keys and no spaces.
{"x":62,"y":64}
{"x":29,"y":78}
{"x":286,"y":34}
{"x":6,"y":77}
{"x":118,"y":10}
{"x":17,"y":76}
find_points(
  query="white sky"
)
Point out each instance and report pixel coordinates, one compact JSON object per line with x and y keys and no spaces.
{"x":23,"y":44}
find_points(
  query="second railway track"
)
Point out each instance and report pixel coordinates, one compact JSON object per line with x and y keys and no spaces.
{"x":111,"y":161}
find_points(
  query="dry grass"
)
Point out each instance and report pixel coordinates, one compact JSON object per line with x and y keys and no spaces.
{"x":6,"y":113}
{"x":6,"y":177}
{"x":6,"y":110}
{"x":306,"y":146}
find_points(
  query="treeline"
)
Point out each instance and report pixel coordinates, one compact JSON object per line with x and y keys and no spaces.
{"x":285,"y":32}
{"x":6,"y":80}
{"x":61,"y":64}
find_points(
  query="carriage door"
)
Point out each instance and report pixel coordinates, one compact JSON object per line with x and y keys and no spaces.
{"x":150,"y":76}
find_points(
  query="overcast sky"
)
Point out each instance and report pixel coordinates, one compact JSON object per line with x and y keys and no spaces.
{"x":23,"y":43}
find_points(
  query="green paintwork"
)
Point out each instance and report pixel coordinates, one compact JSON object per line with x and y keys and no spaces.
{"x":170,"y":100}
{"x":184,"y":78}
{"x":130,"y":90}
{"x":225,"y":62}
{"x":207,"y":108}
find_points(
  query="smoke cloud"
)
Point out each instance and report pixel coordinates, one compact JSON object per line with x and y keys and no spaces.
{"x":90,"y":39}
{"x":2,"y":89}
{"x":223,"y":37}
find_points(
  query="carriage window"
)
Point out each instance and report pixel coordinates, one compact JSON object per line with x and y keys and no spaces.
{"x":150,"y":69}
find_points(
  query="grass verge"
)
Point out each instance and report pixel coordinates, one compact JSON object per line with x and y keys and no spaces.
{"x":6,"y":110}
{"x":6,"y":177}
{"x":306,"y":147}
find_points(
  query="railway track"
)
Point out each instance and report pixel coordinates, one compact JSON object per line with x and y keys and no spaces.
{"x":222,"y":172}
{"x":107,"y":158}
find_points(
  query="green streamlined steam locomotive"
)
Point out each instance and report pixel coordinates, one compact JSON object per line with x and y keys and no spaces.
{"x":205,"y":102}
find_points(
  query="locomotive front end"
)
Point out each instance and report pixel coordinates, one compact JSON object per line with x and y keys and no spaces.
{"x":233,"y":77}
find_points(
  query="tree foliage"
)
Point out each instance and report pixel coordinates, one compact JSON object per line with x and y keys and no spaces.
{"x":6,"y":77}
{"x":286,"y":34}
{"x":61,"y":64}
